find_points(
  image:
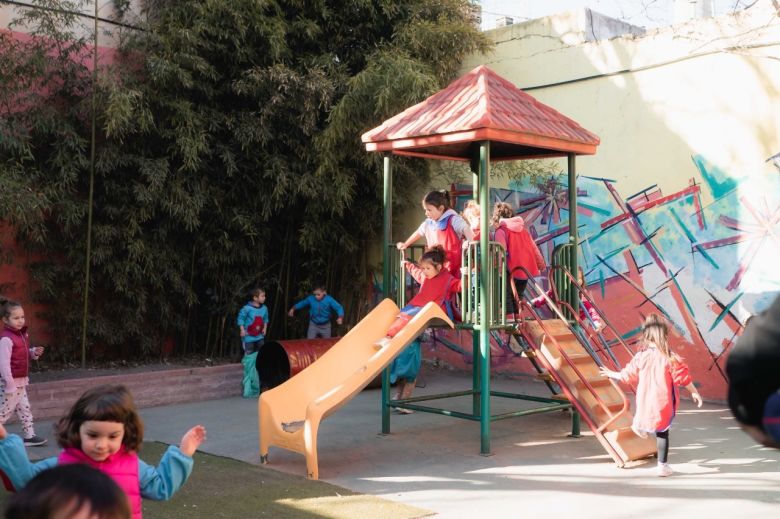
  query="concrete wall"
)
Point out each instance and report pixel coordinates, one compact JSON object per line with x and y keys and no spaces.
{"x":679,"y":209}
{"x":149,"y":389}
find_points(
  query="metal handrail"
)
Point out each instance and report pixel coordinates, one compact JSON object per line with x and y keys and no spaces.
{"x":556,"y":310}
{"x":583,"y":293}
{"x":496,"y":282}
{"x":401,"y":272}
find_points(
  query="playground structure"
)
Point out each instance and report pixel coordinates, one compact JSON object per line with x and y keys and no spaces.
{"x":482,"y":118}
{"x":476,"y":118}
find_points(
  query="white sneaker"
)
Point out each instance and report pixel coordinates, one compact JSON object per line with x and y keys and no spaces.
{"x":664,"y":470}
{"x":381,"y":343}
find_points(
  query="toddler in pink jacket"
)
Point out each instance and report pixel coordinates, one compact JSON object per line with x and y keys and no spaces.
{"x":656,"y":373}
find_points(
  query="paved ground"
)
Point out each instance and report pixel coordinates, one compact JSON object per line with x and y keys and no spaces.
{"x":433,"y":461}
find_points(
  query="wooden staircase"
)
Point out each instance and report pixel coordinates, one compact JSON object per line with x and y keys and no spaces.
{"x":599,"y":400}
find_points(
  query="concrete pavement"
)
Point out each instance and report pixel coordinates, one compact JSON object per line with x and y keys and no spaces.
{"x":433,"y":461}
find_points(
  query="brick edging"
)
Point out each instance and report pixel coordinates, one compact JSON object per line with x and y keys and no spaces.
{"x":151,"y":388}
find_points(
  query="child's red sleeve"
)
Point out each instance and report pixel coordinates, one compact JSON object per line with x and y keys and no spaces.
{"x":681,"y":375}
{"x":456,"y":286}
{"x":415,"y":271}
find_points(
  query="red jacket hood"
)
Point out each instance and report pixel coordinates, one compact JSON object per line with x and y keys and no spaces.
{"x":514,"y":224}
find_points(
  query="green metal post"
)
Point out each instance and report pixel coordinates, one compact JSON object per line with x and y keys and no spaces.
{"x":485,"y":309}
{"x":573,"y":295}
{"x":475,"y":355}
{"x":387,"y":278}
{"x":575,"y":423}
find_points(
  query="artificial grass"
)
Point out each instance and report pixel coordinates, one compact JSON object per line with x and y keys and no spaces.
{"x":224,"y":487}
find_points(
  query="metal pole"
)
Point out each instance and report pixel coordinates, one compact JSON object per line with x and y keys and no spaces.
{"x":574,"y":295}
{"x":90,"y":197}
{"x":387,"y":277}
{"x":485,"y":310}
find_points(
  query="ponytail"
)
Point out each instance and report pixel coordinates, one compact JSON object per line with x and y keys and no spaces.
{"x":501,"y":210}
{"x":435,"y":255}
{"x":438,"y":199}
{"x":6,"y":305}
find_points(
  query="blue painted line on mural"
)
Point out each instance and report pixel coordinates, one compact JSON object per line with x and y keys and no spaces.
{"x":726,"y":310}
{"x":692,"y":238}
{"x":718,"y":181}
{"x":594,"y":208}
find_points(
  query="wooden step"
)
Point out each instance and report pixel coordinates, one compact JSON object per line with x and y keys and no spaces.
{"x":595,"y":382}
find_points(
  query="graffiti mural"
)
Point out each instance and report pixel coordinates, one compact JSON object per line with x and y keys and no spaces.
{"x":701,"y":254}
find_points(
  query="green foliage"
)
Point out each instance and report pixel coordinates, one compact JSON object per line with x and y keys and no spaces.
{"x":228,"y":155}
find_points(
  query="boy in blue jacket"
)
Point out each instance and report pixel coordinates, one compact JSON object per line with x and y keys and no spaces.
{"x":253,"y":321}
{"x":321,"y":306}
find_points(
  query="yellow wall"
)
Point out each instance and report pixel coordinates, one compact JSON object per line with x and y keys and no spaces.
{"x":690,"y":89}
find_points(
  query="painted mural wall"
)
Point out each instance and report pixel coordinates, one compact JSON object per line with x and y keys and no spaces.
{"x":679,"y":211}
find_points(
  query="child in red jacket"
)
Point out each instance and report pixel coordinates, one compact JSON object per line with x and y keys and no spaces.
{"x":436,"y":284}
{"x":521,"y":250}
{"x":656,"y":372}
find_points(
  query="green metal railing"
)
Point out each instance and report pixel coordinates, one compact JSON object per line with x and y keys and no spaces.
{"x":402,"y":289}
{"x":562,"y":258}
{"x":496,"y":279}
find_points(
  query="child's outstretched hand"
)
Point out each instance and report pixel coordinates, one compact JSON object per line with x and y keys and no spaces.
{"x":696,"y":398}
{"x":604,"y":372}
{"x":192,"y":440}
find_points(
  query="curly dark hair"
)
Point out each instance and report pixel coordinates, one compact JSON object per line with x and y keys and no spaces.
{"x":435,"y":255}
{"x":109,"y":403}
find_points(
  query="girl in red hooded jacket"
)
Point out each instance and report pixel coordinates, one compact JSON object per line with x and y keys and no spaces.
{"x":521,"y":250}
{"x":656,"y":372}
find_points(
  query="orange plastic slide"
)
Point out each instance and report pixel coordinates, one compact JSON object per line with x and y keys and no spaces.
{"x":290,"y":413}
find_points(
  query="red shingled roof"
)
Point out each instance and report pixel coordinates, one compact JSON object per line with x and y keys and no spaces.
{"x":481,"y":106}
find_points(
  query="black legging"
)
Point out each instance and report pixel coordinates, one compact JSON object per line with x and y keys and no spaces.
{"x":520,"y":285}
{"x":662,"y":442}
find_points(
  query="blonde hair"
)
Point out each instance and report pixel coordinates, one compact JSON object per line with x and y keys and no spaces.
{"x":656,"y":331}
{"x":470,"y":209}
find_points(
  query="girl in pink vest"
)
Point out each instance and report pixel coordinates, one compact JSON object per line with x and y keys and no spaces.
{"x":103,"y":430}
{"x":656,"y":372}
{"x":15,"y":355}
{"x":442,"y":226}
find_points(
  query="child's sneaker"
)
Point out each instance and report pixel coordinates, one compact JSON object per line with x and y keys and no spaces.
{"x":35,"y":441}
{"x":381,"y":343}
{"x":664,"y":470}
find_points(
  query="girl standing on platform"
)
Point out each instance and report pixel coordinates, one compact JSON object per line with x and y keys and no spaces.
{"x":656,"y":372}
{"x":521,"y":250}
{"x":442,"y":226}
{"x":436,"y":284}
